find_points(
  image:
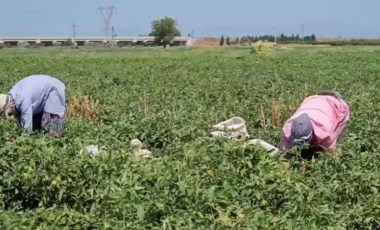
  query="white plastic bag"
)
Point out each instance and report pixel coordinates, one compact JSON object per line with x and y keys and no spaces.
{"x":273,"y":151}
{"x":93,"y":149}
{"x":233,"y":128}
{"x":137,"y":150}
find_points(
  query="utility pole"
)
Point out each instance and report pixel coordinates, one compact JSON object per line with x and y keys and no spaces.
{"x":74,"y":33}
{"x":303,"y":32}
{"x":275,"y":34}
{"x":107,"y":13}
{"x":112,"y":35}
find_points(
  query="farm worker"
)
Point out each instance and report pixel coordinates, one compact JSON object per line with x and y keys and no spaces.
{"x":38,"y":102}
{"x":318,"y":123}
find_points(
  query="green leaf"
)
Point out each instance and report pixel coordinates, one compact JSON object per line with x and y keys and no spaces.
{"x":106,"y":225}
{"x":211,"y":193}
{"x":140,"y":213}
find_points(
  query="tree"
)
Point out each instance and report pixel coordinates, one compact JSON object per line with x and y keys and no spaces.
{"x":164,"y":30}
{"x":237,"y":41}
{"x":245,"y":40}
{"x":313,"y":38}
{"x":68,"y":42}
{"x":221,"y":41}
{"x":228,"y":41}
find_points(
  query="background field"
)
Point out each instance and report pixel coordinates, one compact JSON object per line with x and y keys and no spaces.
{"x":169,"y":99}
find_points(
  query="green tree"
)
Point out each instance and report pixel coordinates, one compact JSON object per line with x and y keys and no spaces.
{"x":228,"y":41}
{"x":313,"y":37}
{"x":68,"y":42}
{"x":164,"y":30}
{"x":222,"y":40}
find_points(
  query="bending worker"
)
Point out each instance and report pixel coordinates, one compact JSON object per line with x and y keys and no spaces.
{"x":38,"y":102}
{"x":317,"y":124}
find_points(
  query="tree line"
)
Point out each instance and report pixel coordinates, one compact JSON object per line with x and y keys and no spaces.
{"x":282,"y":38}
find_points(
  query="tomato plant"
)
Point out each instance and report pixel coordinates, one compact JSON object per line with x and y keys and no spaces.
{"x":169,"y":100}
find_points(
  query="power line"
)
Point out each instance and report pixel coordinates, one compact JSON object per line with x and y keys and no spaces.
{"x":107,"y":13}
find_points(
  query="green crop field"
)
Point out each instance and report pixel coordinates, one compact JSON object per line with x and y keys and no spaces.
{"x":169,"y":99}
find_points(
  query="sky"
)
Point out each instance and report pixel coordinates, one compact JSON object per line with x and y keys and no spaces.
{"x":203,"y":18}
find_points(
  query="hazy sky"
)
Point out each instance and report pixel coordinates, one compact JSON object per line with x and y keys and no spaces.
{"x":204,"y":17}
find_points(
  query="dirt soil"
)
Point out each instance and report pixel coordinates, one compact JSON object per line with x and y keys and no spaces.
{"x":206,"y":42}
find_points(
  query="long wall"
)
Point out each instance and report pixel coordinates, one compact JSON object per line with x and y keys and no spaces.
{"x":82,"y":41}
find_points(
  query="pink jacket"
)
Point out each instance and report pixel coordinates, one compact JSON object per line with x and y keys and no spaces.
{"x":329,"y":117}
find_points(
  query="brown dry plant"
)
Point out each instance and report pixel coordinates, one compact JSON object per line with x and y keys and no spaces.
{"x":281,"y":110}
{"x":83,"y":106}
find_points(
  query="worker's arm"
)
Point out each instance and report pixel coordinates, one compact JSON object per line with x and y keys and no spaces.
{"x":285,"y":142}
{"x":26,"y":116}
